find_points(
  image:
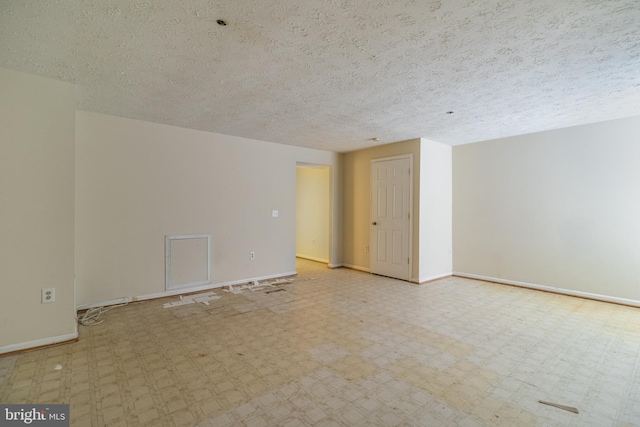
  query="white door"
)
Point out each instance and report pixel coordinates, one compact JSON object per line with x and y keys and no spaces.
{"x":390,"y":217}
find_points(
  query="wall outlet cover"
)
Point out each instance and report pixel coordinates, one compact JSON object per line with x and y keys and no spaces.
{"x":48,"y":295}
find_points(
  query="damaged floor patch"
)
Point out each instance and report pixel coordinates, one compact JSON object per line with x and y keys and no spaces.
{"x":245,"y":308}
{"x":192,"y":310}
{"x":256,"y":286}
{"x":203,"y":298}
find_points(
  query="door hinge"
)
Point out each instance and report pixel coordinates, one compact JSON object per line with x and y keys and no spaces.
{"x":409,"y":171}
{"x":408,"y":215}
{"x":407,"y":260}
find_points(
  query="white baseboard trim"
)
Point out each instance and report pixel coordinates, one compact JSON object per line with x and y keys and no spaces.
{"x":357,"y":267}
{"x":105,"y":303}
{"x":569,"y":292}
{"x":39,"y":343}
{"x":183,"y":291}
{"x":335,"y":265}
{"x":431,"y":278}
{"x":311,"y":258}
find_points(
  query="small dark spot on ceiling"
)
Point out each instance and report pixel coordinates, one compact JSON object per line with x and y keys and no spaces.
{"x":221,"y":22}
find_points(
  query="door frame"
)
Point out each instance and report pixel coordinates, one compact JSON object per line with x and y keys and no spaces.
{"x":331,"y":254}
{"x":408,"y":156}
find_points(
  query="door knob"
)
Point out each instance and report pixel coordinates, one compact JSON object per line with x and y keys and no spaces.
{"x":374,"y":223}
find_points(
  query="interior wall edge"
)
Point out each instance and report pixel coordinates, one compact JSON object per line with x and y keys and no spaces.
{"x":44,"y":342}
{"x":432,"y":278}
{"x":357,"y":267}
{"x":552,"y":289}
{"x":312,"y":258}
{"x":174,"y":292}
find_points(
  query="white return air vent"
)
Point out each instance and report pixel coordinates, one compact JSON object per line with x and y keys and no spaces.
{"x":187,"y":261}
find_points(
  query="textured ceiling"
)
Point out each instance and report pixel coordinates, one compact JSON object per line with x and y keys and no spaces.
{"x":330,"y":74}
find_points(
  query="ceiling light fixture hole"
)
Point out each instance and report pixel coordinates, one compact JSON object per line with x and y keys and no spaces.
{"x":221,"y":22}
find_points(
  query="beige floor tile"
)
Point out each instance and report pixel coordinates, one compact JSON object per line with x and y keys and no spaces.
{"x":340,"y":347}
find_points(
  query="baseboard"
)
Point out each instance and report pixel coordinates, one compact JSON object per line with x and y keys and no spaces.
{"x":311,"y":258}
{"x":182,"y":291}
{"x":357,"y":267}
{"x":44,"y":342}
{"x":106,"y":303}
{"x":335,"y":265}
{"x":430,"y":278}
{"x":562,"y":291}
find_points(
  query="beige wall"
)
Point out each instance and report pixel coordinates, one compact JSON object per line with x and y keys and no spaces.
{"x":357,"y":200}
{"x":137,"y":182}
{"x":557,"y":209}
{"x":36,"y":210}
{"x":435,"y":235}
{"x":313,"y":215}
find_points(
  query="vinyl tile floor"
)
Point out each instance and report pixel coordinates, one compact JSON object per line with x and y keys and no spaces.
{"x":342,"y":347}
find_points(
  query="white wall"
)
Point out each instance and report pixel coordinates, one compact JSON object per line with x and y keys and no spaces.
{"x":137,"y":182}
{"x":557,"y":209}
{"x":313,"y":214}
{"x":435,"y":211}
{"x":37,"y":118}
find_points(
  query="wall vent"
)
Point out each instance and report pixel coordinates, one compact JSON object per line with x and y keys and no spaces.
{"x":187,"y":260}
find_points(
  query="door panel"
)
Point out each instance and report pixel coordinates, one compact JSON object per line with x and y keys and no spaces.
{"x":382,"y":202}
{"x":390,"y":219}
{"x":398,"y":202}
{"x":397,"y":247}
{"x":382,"y":246}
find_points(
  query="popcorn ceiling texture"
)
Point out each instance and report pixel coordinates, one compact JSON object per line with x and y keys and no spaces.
{"x":331,"y":74}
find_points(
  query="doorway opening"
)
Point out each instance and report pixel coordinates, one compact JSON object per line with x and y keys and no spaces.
{"x":314,"y":216}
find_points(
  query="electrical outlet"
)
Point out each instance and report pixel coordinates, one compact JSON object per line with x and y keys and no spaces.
{"x":252,"y":255}
{"x":366,"y":248}
{"x":274,"y":213}
{"x":48,"y":295}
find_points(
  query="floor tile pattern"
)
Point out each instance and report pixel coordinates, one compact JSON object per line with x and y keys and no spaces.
{"x":341,"y":347}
